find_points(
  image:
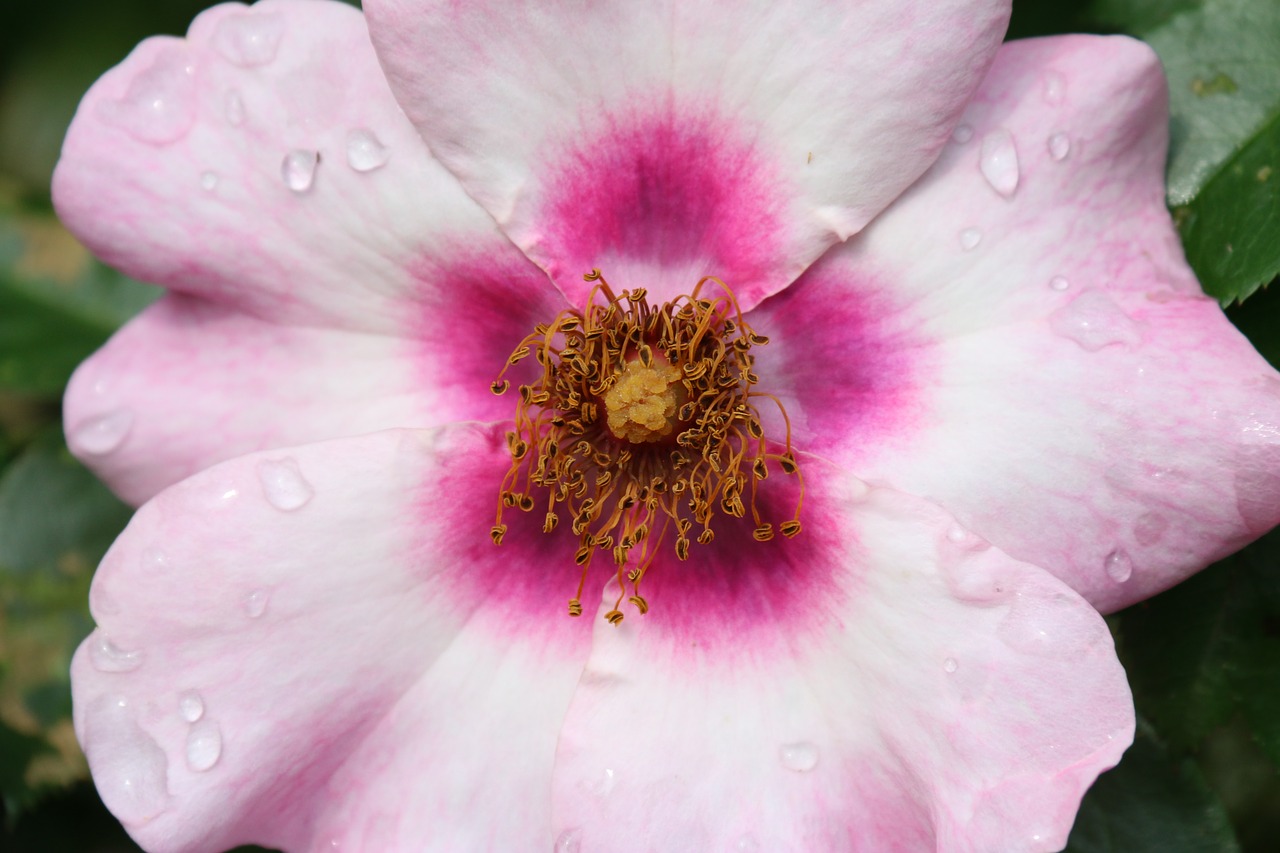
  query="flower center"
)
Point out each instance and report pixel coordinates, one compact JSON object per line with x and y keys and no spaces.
{"x":680,"y":441}
{"x":641,"y":405}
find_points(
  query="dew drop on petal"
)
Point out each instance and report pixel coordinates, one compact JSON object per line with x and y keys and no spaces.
{"x":1059,"y":283}
{"x":1118,"y":565}
{"x":152,"y":559}
{"x":283,"y":484}
{"x":255,"y":603}
{"x":1150,"y":528}
{"x":1056,"y":625}
{"x":957,"y":534}
{"x":102,"y":603}
{"x":299,"y":169}
{"x":800,"y":757}
{"x":970,"y":238}
{"x":101,"y":435}
{"x":999,"y":161}
{"x":209,"y":181}
{"x":191,"y":704}
{"x":365,"y":152}
{"x":233,"y":108}
{"x":1059,"y":146}
{"x":1055,"y":87}
{"x":204,"y":745}
{"x":1094,"y":321}
{"x":249,"y":40}
{"x":106,"y":656}
{"x":569,"y":841}
{"x":160,"y":104}
{"x":746,"y":844}
{"x":950,"y":665}
{"x":129,"y":767}
{"x":962,"y":134}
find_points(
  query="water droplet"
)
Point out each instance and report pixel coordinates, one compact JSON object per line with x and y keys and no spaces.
{"x":747,"y":844}
{"x":153,"y":558}
{"x":569,"y":841}
{"x":1150,"y":528}
{"x":957,"y":534}
{"x":209,"y":181}
{"x":1059,"y":283}
{"x":101,"y":435}
{"x":1055,"y":87}
{"x":800,"y":757}
{"x":233,"y":108}
{"x":106,"y":656}
{"x":999,"y":161}
{"x":283,"y":484}
{"x":255,"y":603}
{"x":962,"y":134}
{"x":191,"y":704}
{"x":249,"y":40}
{"x":129,"y":767}
{"x":603,"y":785}
{"x":950,"y":665}
{"x":1118,"y":565}
{"x":204,"y":745}
{"x":1056,"y":625}
{"x":365,"y":152}
{"x":1059,"y":146}
{"x":970,"y":238}
{"x":160,"y":104}
{"x":299,"y":169}
{"x":1094,"y":321}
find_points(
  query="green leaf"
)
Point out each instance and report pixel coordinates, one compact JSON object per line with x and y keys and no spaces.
{"x":1151,"y":803}
{"x":1231,"y":231}
{"x":57,"y":304}
{"x":54,"y":514}
{"x":56,"y":521}
{"x":1137,"y":16}
{"x":1224,"y":85}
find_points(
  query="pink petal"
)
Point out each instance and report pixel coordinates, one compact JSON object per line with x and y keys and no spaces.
{"x":1038,"y":357}
{"x":262,"y":162}
{"x":664,"y":141}
{"x":938,"y":695}
{"x":191,"y":382}
{"x":315,"y":647}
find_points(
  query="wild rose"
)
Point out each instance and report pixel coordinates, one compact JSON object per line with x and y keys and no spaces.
{"x":306,"y":637}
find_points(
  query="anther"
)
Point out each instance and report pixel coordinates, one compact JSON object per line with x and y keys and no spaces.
{"x":613,"y":617}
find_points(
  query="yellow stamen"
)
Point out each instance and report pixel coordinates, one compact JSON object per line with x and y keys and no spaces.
{"x":680,"y":439}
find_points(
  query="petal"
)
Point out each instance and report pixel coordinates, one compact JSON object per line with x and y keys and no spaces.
{"x":1041,"y":361}
{"x":941,"y":696}
{"x":665,"y":141}
{"x":246,"y":165}
{"x":192,"y":382}
{"x":321,"y":647}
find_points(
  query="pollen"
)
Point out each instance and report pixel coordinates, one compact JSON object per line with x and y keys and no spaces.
{"x":643,"y":424}
{"x":641,"y":405}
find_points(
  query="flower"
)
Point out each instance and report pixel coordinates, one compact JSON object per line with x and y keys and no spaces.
{"x":306,"y":638}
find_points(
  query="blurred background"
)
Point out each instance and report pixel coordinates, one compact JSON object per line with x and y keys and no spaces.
{"x":1203,"y":659}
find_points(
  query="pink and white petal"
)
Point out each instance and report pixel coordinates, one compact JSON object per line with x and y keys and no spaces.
{"x":664,"y":141}
{"x":900,"y":686}
{"x":1020,"y":339}
{"x":192,"y":382}
{"x":243,"y":165}
{"x":321,"y":646}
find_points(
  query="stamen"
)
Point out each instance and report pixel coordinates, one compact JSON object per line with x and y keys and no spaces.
{"x":679,"y":433}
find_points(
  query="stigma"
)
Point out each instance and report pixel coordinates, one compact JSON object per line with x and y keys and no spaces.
{"x":642,"y":428}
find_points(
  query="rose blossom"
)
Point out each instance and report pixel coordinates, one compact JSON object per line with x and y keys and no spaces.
{"x":306,"y":638}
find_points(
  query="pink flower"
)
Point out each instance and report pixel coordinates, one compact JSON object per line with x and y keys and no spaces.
{"x":306,"y":638}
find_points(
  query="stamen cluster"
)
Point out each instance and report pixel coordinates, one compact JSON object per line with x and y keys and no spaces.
{"x":642,"y":421}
